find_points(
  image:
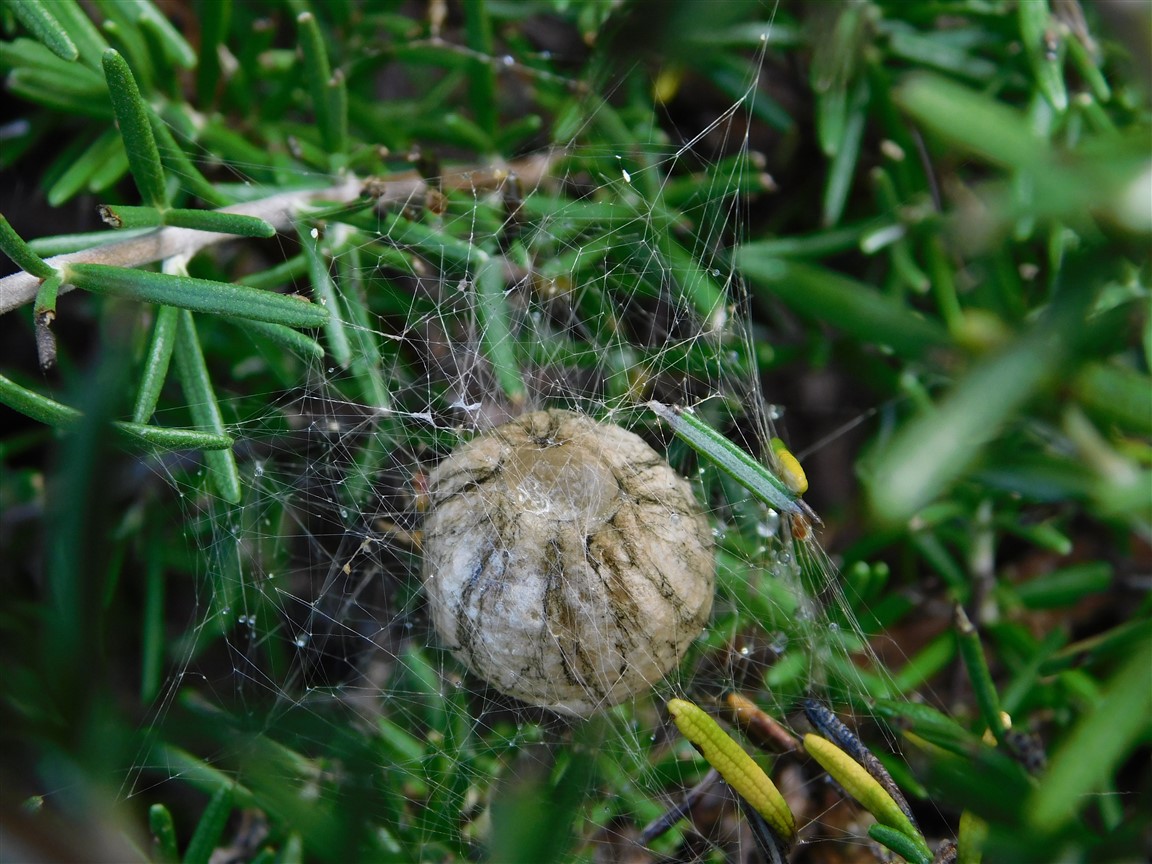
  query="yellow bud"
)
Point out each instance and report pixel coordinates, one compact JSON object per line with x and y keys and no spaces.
{"x":735,"y":766}
{"x":791,"y":472}
{"x":862,"y":786}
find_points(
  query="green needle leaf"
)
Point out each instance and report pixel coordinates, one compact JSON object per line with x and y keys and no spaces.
{"x":972,"y":652}
{"x":210,"y":828}
{"x":69,"y":92}
{"x":853,"y":306}
{"x":132,"y":116}
{"x":482,"y":77}
{"x":36,"y":16}
{"x":971,"y":121}
{"x":83,"y":33}
{"x":286,"y":337}
{"x":1044,"y":48}
{"x":1099,"y":742}
{"x":170,"y":438}
{"x":335,"y":328}
{"x":156,"y":363}
{"x":198,"y":295}
{"x":86,"y":166}
{"x":32,"y":404}
{"x":201,"y":396}
{"x":214,"y":20}
{"x":174,"y":46}
{"x":934,"y":448}
{"x":730,"y":459}
{"x":329,"y":98}
{"x":179,"y":165}
{"x":52,"y":413}
{"x":499,"y":342}
{"x":119,"y":216}
{"x":898,"y":842}
{"x":164,"y":833}
{"x":13,"y":245}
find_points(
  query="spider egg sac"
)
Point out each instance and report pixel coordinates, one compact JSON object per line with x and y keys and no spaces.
{"x":565,"y":562}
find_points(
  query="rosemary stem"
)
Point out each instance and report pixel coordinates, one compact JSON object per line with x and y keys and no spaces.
{"x":280,"y":210}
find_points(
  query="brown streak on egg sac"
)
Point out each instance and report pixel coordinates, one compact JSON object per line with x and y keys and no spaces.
{"x":565,"y":562}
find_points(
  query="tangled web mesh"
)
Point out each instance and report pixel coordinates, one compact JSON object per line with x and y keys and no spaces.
{"x":585,"y":278}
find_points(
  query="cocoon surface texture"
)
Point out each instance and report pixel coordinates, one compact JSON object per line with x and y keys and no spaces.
{"x":566,"y":563}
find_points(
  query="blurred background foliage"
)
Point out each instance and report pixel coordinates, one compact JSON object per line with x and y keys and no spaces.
{"x":945,"y":220}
